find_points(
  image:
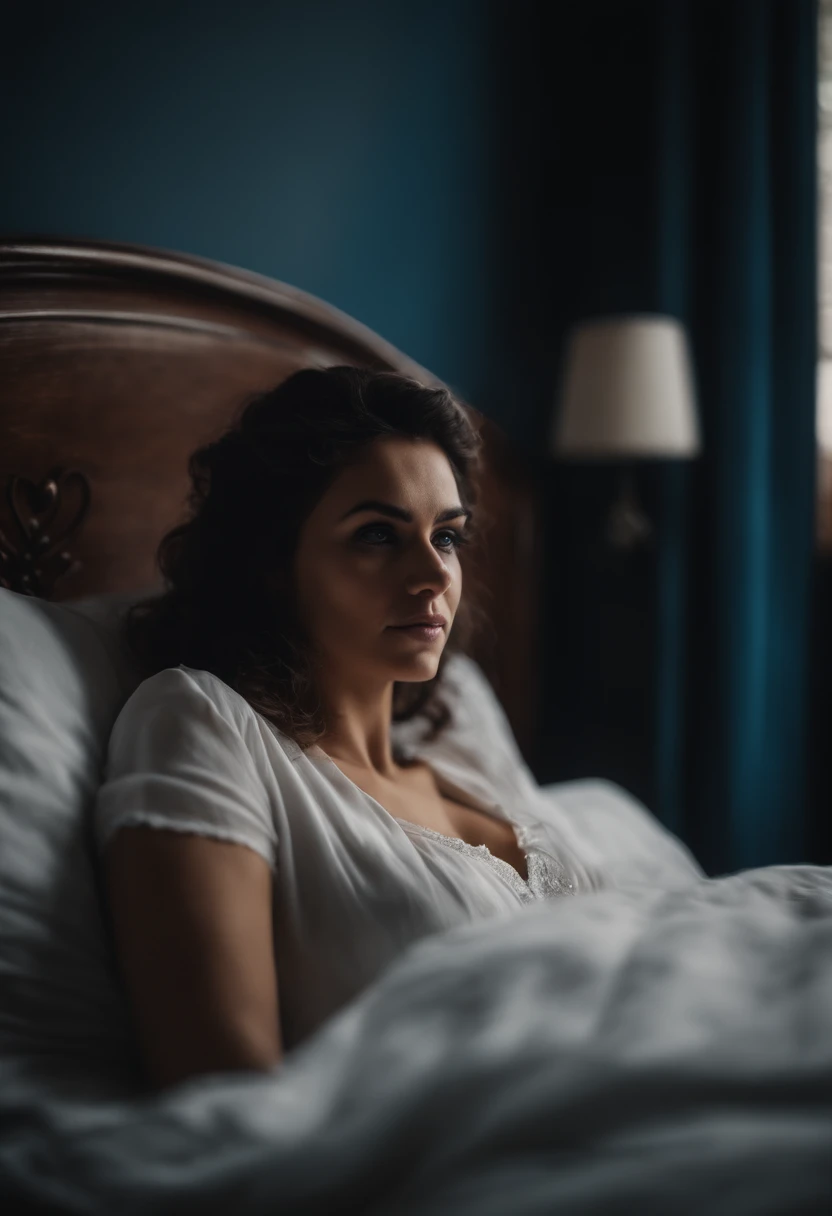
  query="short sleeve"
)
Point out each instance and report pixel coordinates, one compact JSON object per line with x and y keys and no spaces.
{"x":177,"y":759}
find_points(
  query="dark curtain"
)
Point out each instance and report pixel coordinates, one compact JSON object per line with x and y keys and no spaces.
{"x":664,"y":161}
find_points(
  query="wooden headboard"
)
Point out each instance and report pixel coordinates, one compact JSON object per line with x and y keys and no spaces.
{"x":116,"y":361}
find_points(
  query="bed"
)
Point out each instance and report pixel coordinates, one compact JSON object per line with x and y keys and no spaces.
{"x":662,"y":1045}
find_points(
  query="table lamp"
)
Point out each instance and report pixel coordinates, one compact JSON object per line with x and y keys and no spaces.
{"x":627,"y":394}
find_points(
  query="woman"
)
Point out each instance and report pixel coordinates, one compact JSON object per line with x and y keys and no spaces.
{"x":268,"y":845}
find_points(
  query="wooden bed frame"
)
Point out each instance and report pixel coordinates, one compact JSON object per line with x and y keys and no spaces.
{"x":116,"y":361}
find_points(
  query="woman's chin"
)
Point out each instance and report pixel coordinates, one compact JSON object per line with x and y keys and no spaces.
{"x":417,"y":656}
{"x":418,"y":669}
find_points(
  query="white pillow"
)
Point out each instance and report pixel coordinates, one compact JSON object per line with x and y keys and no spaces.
{"x":621,"y":838}
{"x":62,"y":683}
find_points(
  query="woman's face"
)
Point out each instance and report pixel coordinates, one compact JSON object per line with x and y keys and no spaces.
{"x":379,"y":549}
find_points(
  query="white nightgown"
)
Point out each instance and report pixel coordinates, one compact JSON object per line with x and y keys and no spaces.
{"x":354,"y":885}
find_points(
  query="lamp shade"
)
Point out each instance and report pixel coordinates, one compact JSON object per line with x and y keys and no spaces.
{"x":627,"y":392}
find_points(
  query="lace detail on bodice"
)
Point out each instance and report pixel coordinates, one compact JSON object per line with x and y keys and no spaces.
{"x":547,"y":877}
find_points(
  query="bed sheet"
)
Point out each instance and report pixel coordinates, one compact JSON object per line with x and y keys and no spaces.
{"x":651,"y":1049}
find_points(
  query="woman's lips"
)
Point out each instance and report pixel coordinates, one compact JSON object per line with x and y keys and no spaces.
{"x":425,"y":633}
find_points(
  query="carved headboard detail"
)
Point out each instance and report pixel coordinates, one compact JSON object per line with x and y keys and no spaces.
{"x":35,"y":561}
{"x":116,"y":361}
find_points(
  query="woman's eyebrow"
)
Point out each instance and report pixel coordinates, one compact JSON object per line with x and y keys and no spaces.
{"x":387,"y":508}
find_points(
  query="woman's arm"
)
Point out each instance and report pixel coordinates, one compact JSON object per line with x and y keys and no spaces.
{"x":192,"y":919}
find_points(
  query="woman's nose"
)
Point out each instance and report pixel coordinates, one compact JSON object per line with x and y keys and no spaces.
{"x":428,"y":572}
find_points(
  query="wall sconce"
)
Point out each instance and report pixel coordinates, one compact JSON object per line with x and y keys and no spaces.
{"x":627,"y":394}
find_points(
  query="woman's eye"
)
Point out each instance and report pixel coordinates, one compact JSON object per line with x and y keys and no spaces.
{"x":374,"y":534}
{"x":453,"y":541}
{"x":447,"y":539}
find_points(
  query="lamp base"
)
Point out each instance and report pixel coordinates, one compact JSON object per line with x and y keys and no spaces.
{"x":628,"y":528}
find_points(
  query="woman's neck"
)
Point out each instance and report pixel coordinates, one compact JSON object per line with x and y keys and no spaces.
{"x":358,"y":729}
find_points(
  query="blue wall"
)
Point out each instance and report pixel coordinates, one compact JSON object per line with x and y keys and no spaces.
{"x":345,"y":148}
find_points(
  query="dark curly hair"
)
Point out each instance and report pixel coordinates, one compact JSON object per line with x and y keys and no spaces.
{"x":228,"y":606}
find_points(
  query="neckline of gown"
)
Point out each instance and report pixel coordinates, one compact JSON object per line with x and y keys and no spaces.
{"x":480,"y":851}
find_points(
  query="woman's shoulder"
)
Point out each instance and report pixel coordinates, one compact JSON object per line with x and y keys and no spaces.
{"x":187,"y":695}
{"x":195,"y":693}
{"x":184,"y":684}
